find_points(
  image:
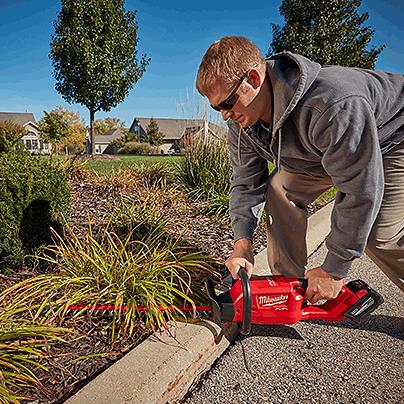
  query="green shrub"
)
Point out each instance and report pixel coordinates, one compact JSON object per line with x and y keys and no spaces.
{"x":34,"y":196}
{"x":11,"y":247}
{"x":138,"y":148}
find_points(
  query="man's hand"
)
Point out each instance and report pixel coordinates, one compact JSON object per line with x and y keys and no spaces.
{"x":241,"y":256}
{"x":322,"y":285}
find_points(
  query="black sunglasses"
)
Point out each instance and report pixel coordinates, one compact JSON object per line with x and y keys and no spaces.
{"x":229,"y":102}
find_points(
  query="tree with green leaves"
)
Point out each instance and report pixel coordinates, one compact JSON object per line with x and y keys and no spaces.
{"x":328,"y":32}
{"x":11,"y":134}
{"x":74,"y":142}
{"x":153,"y":134}
{"x":64,"y":128}
{"x":94,"y":54}
{"x":53,"y":128}
{"x":101,"y":126}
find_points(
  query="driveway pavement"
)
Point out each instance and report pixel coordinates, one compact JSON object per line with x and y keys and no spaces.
{"x":314,"y":361}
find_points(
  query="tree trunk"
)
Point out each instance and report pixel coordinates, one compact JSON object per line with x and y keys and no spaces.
{"x":92,"y":142}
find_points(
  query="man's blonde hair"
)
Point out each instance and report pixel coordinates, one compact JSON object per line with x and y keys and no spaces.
{"x":225,"y":61}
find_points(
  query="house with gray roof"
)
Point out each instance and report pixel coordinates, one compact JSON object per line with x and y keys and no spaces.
{"x":103,"y":142}
{"x":31,"y":139}
{"x":177,"y":132}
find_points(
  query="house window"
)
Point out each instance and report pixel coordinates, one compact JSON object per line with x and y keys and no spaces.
{"x":34,"y":144}
{"x":42,"y":145}
{"x":29,"y":144}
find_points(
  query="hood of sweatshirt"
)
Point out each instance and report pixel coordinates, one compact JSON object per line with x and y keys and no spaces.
{"x":291,"y":76}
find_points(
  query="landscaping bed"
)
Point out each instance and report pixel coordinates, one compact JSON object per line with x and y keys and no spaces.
{"x":89,"y":349}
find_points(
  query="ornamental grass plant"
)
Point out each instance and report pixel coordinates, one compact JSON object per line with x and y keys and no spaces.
{"x":156,"y":176}
{"x":132,"y":261}
{"x":141,"y":177}
{"x":21,"y":346}
{"x":205,"y":172}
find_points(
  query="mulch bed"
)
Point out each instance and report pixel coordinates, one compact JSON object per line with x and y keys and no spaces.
{"x":93,"y":203}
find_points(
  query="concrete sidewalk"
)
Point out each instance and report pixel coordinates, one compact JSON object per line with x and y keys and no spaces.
{"x":162,"y":369}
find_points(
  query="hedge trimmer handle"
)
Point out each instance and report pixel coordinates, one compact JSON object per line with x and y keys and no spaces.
{"x":304,"y":283}
{"x":222,"y":306}
{"x":247,"y":301}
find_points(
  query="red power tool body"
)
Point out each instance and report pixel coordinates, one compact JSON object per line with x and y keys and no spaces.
{"x":280,"y":300}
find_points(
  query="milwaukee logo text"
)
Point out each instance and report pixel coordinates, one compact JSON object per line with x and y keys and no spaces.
{"x":272,"y":300}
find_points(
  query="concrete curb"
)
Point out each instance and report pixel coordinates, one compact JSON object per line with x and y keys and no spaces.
{"x":161,"y":369}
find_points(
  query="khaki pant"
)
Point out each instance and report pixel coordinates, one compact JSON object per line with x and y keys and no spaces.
{"x":288,"y":196}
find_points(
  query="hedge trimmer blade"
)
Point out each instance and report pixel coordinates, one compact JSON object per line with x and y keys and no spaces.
{"x":199,"y":311}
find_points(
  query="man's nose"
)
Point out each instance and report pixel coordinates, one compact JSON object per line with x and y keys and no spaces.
{"x":226,"y":114}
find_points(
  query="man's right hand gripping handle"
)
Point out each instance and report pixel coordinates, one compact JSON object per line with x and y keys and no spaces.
{"x":242,"y":256}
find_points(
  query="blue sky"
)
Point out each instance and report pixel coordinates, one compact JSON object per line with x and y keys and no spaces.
{"x":174,"y":34}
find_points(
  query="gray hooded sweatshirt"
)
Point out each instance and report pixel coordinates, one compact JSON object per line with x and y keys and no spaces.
{"x":327,"y":120}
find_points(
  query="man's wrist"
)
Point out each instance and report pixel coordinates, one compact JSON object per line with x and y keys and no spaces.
{"x":336,"y":266}
{"x":243,"y":248}
{"x":324,"y":273}
{"x":243,"y":243}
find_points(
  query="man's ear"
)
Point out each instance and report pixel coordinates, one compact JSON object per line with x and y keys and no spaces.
{"x":254,"y":79}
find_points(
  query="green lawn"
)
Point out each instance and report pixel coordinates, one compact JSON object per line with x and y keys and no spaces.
{"x":326,"y":197}
{"x":125,"y":162}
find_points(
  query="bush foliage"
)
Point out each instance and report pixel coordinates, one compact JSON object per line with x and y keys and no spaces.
{"x":138,"y":148}
{"x":34,"y":196}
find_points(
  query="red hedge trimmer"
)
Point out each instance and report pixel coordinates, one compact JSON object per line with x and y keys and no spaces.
{"x":271,"y":300}
{"x":280,"y":300}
